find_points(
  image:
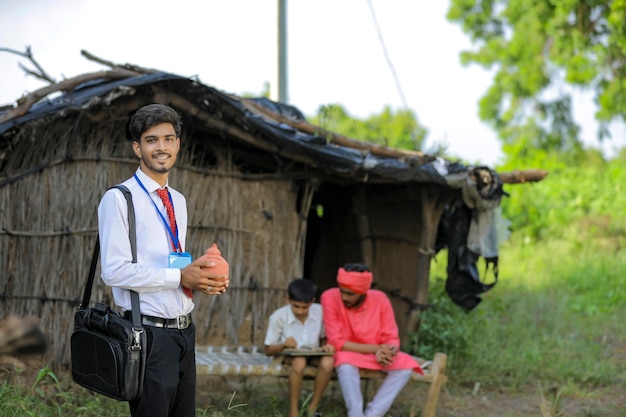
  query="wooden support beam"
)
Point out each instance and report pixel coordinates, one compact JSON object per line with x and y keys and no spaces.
{"x":522,"y":176}
{"x":432,"y":208}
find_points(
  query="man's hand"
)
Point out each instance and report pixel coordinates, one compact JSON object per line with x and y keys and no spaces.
{"x":328,"y":348}
{"x":386,"y":354}
{"x":198,"y":277}
{"x":290,"y":343}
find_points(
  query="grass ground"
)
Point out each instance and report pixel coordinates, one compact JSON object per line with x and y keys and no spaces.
{"x":265,"y":397}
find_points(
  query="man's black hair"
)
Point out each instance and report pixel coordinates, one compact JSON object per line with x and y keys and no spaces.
{"x":150,"y":116}
{"x":356,"y":267}
{"x":301,"y":289}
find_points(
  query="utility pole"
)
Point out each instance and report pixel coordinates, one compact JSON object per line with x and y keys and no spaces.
{"x":282,"y":52}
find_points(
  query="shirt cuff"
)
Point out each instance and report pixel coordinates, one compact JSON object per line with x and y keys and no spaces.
{"x":172,"y":278}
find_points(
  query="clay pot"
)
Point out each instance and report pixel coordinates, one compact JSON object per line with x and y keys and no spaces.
{"x":213,"y":254}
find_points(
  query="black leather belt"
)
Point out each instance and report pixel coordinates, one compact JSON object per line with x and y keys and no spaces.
{"x":180,"y":322}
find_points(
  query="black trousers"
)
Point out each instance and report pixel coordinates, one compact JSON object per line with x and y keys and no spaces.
{"x":169,"y":388}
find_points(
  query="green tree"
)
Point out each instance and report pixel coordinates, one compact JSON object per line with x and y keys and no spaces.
{"x":399,"y":130}
{"x":540,"y":50}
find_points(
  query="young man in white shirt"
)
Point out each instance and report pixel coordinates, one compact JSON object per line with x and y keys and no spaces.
{"x":163,"y":275}
{"x":300,"y":324}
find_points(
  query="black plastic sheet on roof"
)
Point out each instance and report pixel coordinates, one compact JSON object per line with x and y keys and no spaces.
{"x":335,"y":159}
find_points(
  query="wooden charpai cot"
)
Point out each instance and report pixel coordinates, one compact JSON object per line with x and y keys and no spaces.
{"x":252,"y":361}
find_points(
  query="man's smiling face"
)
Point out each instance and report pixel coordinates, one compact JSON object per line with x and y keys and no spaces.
{"x":157,"y":150}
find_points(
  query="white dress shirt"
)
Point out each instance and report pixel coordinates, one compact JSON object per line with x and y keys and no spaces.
{"x":283,"y":324}
{"x":160,"y":293}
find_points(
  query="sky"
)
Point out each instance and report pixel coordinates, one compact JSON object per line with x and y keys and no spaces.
{"x":334,"y":55}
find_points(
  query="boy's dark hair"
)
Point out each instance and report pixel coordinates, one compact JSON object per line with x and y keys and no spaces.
{"x":150,"y":116}
{"x":356,"y":267}
{"x":301,"y":289}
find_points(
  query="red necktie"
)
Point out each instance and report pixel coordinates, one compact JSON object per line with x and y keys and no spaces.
{"x":170,"y":210}
{"x":172,"y":218}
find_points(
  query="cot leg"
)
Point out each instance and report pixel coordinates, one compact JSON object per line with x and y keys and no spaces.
{"x":438,"y":371}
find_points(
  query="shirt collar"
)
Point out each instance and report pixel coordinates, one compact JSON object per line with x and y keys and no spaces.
{"x":150,"y":184}
{"x":292,"y":317}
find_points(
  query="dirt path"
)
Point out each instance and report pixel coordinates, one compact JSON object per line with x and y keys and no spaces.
{"x":607,"y":402}
{"x":453,"y":401}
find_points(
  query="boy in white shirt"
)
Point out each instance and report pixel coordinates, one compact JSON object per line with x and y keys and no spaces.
{"x":300,"y":324}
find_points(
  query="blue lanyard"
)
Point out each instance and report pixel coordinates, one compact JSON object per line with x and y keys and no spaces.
{"x":165,"y":222}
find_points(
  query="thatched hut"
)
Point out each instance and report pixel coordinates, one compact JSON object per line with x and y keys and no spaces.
{"x":281,"y":198}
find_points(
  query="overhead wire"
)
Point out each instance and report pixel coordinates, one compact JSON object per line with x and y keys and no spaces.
{"x":387,"y":57}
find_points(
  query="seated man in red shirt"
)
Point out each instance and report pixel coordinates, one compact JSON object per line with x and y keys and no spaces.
{"x":361,"y":325}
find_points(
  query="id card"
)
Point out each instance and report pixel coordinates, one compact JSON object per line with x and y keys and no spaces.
{"x":179,"y":259}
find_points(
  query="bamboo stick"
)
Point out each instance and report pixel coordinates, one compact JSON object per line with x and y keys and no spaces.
{"x":26,"y":102}
{"x":522,"y":176}
{"x":418,"y":158}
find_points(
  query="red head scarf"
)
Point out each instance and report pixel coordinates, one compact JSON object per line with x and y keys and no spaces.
{"x":357,"y":282}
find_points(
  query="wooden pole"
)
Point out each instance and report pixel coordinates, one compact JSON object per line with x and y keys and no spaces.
{"x":432,"y":206}
{"x":520,"y":177}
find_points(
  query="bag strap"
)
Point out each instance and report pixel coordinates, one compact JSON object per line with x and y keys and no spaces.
{"x":132,"y":235}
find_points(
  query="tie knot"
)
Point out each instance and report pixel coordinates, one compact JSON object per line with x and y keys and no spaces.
{"x":162,"y":192}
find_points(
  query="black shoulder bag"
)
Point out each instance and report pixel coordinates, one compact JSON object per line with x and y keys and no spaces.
{"x":109,"y":351}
